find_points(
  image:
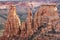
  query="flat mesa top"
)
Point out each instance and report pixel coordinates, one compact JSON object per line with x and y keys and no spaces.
{"x":52,"y":4}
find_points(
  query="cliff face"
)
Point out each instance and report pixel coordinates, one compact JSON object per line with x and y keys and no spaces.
{"x":29,"y":23}
{"x":45,"y":19}
{"x":12,"y":24}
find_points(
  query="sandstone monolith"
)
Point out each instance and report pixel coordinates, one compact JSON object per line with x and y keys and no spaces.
{"x":12,"y":24}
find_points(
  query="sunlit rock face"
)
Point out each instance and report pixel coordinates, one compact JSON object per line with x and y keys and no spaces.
{"x":12,"y":24}
{"x":45,"y":19}
{"x":48,"y":14}
{"x":29,"y":22}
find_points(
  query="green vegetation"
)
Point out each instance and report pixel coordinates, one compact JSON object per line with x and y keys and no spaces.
{"x":1,"y":29}
{"x":1,"y":32}
{"x":22,"y":20}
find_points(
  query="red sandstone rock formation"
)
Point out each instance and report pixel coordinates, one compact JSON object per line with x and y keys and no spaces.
{"x":23,"y":34}
{"x":12,"y":24}
{"x":29,"y":23}
{"x":35,"y":21}
{"x":45,"y":14}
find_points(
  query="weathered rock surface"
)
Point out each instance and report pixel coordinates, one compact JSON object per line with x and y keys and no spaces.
{"x":12,"y":24}
{"x":43,"y":26}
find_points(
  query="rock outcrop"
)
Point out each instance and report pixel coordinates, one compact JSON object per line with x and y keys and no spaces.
{"x":29,"y":22}
{"x":12,"y":24}
{"x":45,"y":20}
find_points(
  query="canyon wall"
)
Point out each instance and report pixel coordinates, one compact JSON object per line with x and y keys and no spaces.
{"x":45,"y":18}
